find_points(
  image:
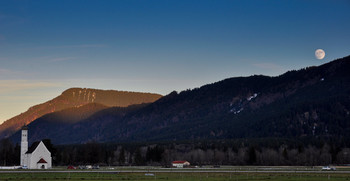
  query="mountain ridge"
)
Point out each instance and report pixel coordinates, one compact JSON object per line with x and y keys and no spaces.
{"x":75,"y":97}
{"x":311,"y":103}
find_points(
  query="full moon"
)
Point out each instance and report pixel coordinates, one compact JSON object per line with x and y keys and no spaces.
{"x":320,"y":54}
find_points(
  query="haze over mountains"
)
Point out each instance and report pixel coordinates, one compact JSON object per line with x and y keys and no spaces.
{"x":312,"y":103}
{"x":73,"y":98}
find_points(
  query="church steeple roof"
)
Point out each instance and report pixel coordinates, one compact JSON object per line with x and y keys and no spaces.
{"x":25,"y":127}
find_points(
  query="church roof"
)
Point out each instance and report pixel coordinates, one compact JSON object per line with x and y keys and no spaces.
{"x":33,"y":147}
{"x":42,"y":161}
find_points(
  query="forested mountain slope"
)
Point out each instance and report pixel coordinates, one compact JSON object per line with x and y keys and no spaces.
{"x":312,"y":103}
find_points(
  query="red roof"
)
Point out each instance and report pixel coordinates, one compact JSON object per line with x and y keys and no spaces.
{"x":42,"y":161}
{"x":179,"y":161}
{"x":70,"y":167}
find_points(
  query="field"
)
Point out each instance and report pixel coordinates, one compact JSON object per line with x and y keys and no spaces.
{"x":86,"y":176}
{"x":204,"y":174}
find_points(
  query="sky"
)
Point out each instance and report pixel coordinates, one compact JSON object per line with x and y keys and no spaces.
{"x":158,"y":45}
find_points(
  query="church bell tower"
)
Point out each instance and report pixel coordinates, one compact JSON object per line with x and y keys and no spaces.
{"x":24,"y":144}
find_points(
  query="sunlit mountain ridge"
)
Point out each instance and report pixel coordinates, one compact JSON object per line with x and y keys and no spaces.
{"x":76,"y":97}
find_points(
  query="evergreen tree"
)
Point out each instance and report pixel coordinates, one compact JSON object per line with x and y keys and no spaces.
{"x":121,"y":158}
{"x":251,"y":156}
{"x":138,"y":159}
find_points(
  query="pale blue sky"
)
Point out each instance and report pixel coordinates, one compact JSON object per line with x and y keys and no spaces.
{"x":157,"y":45}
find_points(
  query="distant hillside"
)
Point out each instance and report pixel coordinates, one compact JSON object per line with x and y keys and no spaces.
{"x":76,"y":97}
{"x":308,"y":104}
{"x":63,"y":131}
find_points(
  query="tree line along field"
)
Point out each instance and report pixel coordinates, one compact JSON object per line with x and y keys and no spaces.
{"x":267,"y":152}
{"x":204,"y":176}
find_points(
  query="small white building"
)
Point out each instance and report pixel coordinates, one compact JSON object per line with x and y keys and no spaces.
{"x":37,"y":156}
{"x":180,"y":164}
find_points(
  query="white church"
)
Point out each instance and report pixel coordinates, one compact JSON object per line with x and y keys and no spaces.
{"x":37,"y":156}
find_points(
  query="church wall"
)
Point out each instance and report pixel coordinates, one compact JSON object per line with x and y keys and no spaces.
{"x":42,"y":165}
{"x":27,"y":160}
{"x":40,"y":152}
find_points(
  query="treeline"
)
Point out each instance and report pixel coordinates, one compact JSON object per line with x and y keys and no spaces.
{"x":9,"y":153}
{"x":201,"y":153}
{"x":163,"y":155}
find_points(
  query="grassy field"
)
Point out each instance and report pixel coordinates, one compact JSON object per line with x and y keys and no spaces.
{"x":86,"y":176}
{"x":222,"y":168}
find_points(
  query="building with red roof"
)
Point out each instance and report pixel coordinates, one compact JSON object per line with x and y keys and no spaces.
{"x":180,"y":164}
